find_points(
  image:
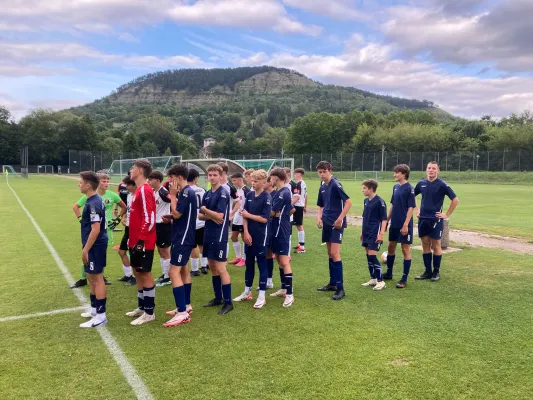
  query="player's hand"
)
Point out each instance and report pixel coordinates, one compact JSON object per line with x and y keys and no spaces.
{"x":305,"y":210}
{"x":361,"y":237}
{"x":203,"y":209}
{"x":247,"y":239}
{"x":79,"y":219}
{"x":386,"y":227}
{"x":379,"y":239}
{"x":405,"y":230}
{"x":338,"y":224}
{"x":418,"y":212}
{"x":319,"y":223}
{"x":167,"y":218}
{"x":114,"y":223}
{"x":441,"y":215}
{"x":173,"y":187}
{"x":85,"y":257}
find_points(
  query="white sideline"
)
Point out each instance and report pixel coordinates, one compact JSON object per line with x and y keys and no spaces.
{"x":42,"y":314}
{"x":128,"y":370}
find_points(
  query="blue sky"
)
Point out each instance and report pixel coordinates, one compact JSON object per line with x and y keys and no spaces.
{"x":471,"y":57}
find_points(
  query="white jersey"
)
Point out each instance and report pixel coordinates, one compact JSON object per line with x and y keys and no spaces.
{"x":237,"y":218}
{"x":162,"y":204}
{"x":199,"y":191}
{"x":128,"y":209}
{"x":300,"y":189}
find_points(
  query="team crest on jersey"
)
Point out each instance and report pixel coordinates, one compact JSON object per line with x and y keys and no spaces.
{"x":106,"y":201}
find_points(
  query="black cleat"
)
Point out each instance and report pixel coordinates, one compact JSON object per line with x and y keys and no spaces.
{"x":435,"y":277}
{"x":124,"y":279}
{"x":79,"y":283}
{"x":106,"y":281}
{"x":339,"y":294}
{"x":160,"y":278}
{"x":387,"y":276}
{"x":226,"y":308}
{"x":213,"y":303}
{"x":204,"y":270}
{"x":131,"y":281}
{"x":328,"y":288}
{"x":425,"y":275}
{"x":195,"y":273}
{"x":401,"y":284}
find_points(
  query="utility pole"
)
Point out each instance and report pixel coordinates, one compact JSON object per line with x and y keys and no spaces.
{"x":382,"y":157}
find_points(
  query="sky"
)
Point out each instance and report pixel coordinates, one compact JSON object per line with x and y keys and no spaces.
{"x":470,"y":57}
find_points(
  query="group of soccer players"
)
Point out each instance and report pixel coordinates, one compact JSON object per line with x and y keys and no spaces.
{"x":187,"y":223}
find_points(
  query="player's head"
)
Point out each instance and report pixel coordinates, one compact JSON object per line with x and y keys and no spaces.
{"x":278,"y":177}
{"x":192,"y":178}
{"x":299,"y":174}
{"x":141,"y":167}
{"x":432,"y":170}
{"x":401,"y":171}
{"x":130,"y":184}
{"x":324,"y":170}
{"x":259,"y":179}
{"x":225,"y":169}
{"x":237,"y":179}
{"x":178,"y":172}
{"x":214,"y":174}
{"x":369,"y":187}
{"x":88,"y":182}
{"x":104,"y":180}
{"x":268,"y":184}
{"x":287,"y":173}
{"x":248,"y":176}
{"x":155,"y":179}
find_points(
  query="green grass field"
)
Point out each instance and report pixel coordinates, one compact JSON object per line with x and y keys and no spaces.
{"x":466,"y":337}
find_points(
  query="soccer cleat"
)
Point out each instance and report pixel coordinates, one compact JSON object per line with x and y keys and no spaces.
{"x":93,"y":323}
{"x":244,"y":297}
{"x":79,"y":283}
{"x":188,"y":308}
{"x":387,"y":276}
{"x":195,"y":273}
{"x":300,"y":250}
{"x":135,"y":313}
{"x":226,"y":308}
{"x":203,"y":270}
{"x":234,"y":261}
{"x":213,"y":303}
{"x":289,"y":300}
{"x":107,"y":281}
{"x":178,"y":319}
{"x":425,"y":275}
{"x":327,"y":288}
{"x":241,"y":263}
{"x":435,"y":277}
{"x":131,"y":281}
{"x":371,"y":282}
{"x":160,"y":278}
{"x":87,"y":314}
{"x":172,"y":312}
{"x":339,"y":294}
{"x":117,"y":247}
{"x":163,"y":282}
{"x":124,"y":279}
{"x":380,"y":285}
{"x":268,"y":286}
{"x":279,"y":293}
{"x":401,"y":284}
{"x":143,"y":319}
{"x":260,"y":303}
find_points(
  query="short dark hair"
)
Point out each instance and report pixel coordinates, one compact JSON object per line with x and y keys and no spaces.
{"x":299,"y":171}
{"x":279,"y":173}
{"x":236,"y":175}
{"x":129,"y":181}
{"x":178,"y":170}
{"x":224,"y":166}
{"x":403,"y":169}
{"x":156,"y":175}
{"x":324,"y":165}
{"x":435,"y":163}
{"x":91,"y":178}
{"x":193,"y":174}
{"x":145,"y":165}
{"x":371,"y":184}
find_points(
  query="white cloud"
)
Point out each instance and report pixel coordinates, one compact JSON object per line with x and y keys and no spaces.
{"x":256,"y":59}
{"x":288,"y":25}
{"x":337,"y":9}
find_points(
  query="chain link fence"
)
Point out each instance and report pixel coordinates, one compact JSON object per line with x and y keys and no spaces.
{"x":97,"y":160}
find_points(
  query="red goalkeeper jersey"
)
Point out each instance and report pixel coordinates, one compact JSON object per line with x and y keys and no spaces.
{"x":142,"y":218}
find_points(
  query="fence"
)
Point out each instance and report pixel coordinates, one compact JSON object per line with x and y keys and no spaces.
{"x":96,"y":160}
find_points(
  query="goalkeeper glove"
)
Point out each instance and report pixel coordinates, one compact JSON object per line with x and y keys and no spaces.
{"x":114,"y":223}
{"x":79,"y":219}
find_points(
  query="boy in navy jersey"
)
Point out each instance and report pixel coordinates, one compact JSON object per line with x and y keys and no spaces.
{"x":334,"y":204}
{"x":270,"y":257}
{"x":401,"y":222}
{"x":256,"y":213}
{"x":430,"y":218}
{"x":374,"y":226}
{"x":215,"y":212}
{"x":94,"y":242}
{"x":183,"y":209}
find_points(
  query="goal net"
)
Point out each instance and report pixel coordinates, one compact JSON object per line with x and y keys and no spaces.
{"x":268,"y":164}
{"x":121,"y":167}
{"x":45,"y":169}
{"x":362,"y":175}
{"x":8,"y":170}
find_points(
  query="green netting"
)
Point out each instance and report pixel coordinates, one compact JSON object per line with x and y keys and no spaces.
{"x":267,"y":164}
{"x":121,"y":167}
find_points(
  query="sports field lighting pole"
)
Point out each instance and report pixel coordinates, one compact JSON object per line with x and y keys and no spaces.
{"x":311,"y":163}
{"x":477,"y":165}
{"x":382,"y":157}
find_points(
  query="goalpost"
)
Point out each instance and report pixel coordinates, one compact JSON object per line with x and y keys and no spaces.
{"x":362,"y":175}
{"x":122,"y":166}
{"x":9,"y":169}
{"x":268,"y":164}
{"x":45,"y":169}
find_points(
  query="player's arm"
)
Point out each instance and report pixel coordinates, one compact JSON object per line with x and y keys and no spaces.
{"x":148,"y":214}
{"x":236,"y":206}
{"x":173,"y":199}
{"x":384,"y":221}
{"x":305,"y":202}
{"x":453,"y":205}
{"x":78,"y":205}
{"x":319,"y":217}
{"x":212,"y":215}
{"x":247,"y":237}
{"x":95,"y":231}
{"x":123,"y":209}
{"x":295,"y":199}
{"x":345,"y":209}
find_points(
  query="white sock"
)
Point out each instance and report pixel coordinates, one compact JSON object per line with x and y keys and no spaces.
{"x":262,"y":294}
{"x":227,"y":249}
{"x":301,"y":237}
{"x":247,"y":289}
{"x":194,"y":264}
{"x":166,"y":267}
{"x":100,"y":317}
{"x":127,"y":270}
{"x":162,"y":267}
{"x":203,"y":262}
{"x":290,"y":244}
{"x":237,"y":248}
{"x":242,"y":252}
{"x":269,"y":281}
{"x":93,"y":311}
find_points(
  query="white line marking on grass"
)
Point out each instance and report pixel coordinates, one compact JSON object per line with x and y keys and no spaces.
{"x":43,"y":314}
{"x":128,"y":370}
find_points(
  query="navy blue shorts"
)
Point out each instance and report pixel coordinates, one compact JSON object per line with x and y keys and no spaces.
{"x":371,"y":244}
{"x":280,"y":246}
{"x":179,"y":255}
{"x":256,"y":249}
{"x":217,"y":251}
{"x":331,"y":234}
{"x":396,"y":236}
{"x":430,"y":227}
{"x":97,"y":260}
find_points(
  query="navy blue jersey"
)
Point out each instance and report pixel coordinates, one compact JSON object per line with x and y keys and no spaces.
{"x":374,"y":213}
{"x":433,"y":196}
{"x":217,"y":201}
{"x":332,"y":198}
{"x":94,"y":212}
{"x":262,"y":206}
{"x":403,"y":198}
{"x":281,"y":203}
{"x":184,"y":228}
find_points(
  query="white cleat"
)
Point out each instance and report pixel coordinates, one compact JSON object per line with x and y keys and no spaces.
{"x":289,"y":300}
{"x":279,"y":293}
{"x":93,"y":323}
{"x":371,"y":282}
{"x":260,"y":303}
{"x":172,"y":312}
{"x":188,"y":308}
{"x":87,"y":314}
{"x":135,"y":313}
{"x":143,"y":319}
{"x":178,"y":319}
{"x":380,"y":285}
{"x":244,"y":297}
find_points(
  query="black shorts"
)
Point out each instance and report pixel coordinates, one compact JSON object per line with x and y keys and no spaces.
{"x":199,"y":237}
{"x":97,"y":260}
{"x":237,"y":228}
{"x":163,"y":235}
{"x":142,"y":261}
{"x":371,"y":245}
{"x":179,"y":255}
{"x":216,"y":251}
{"x":396,"y":236}
{"x":298,"y":216}
{"x":430,"y":227}
{"x":330,"y":234}
{"x":125,"y":238}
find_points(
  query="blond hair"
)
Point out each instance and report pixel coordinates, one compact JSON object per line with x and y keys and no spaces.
{"x":215,"y":167}
{"x":259,"y":175}
{"x":250,"y":171}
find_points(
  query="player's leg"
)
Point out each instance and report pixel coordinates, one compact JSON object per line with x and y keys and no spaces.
{"x":270,"y":269}
{"x":372,"y":282}
{"x":140,"y":293}
{"x":337,"y":271}
{"x":406,"y":250}
{"x":236,"y":245}
{"x":164,"y":254}
{"x":220,"y":265}
{"x":437,"y":259}
{"x":248,"y":276}
{"x":97,"y":262}
{"x":178,"y":265}
{"x":187,"y":284}
{"x":391,"y":257}
{"x":242,"y":262}
{"x":204,"y":267}
{"x":285,"y":264}
{"x":209,"y":251}
{"x":126,"y":265}
{"x":301,"y":239}
{"x":143,"y":265}
{"x":425,"y":227}
{"x":282,"y":292}
{"x":373,"y":249}
{"x":263,"y":278}
{"x":326,"y":238}
{"x":83,"y":279}
{"x":195,"y":260}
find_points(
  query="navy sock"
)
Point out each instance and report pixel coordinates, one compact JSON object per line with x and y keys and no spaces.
{"x":217,"y":287}
{"x":140,"y":299}
{"x":390,"y":264}
{"x":179,"y":298}
{"x":282,"y":278}
{"x":427,"y":262}
{"x":270,"y":267}
{"x":188,"y":290}
{"x":436,"y":262}
{"x":100,"y":305}
{"x":149,"y":300}
{"x":288,"y":283}
{"x":226,"y":289}
{"x":93,"y":300}
{"x":377,"y":268}
{"x":331,"y":272}
{"x":250,"y":270}
{"x":370,"y":267}
{"x":263,"y":272}
{"x":406,"y":269}
{"x":339,"y":280}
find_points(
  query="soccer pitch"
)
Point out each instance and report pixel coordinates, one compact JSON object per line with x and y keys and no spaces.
{"x":465,"y":337}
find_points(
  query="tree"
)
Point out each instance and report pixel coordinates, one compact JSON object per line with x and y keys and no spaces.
{"x":10,"y":140}
{"x":318,"y":132}
{"x":131,"y":143}
{"x":156,"y":129}
{"x":167,"y":152}
{"x":40,"y":132}
{"x":112,"y":145}
{"x":149,"y":148}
